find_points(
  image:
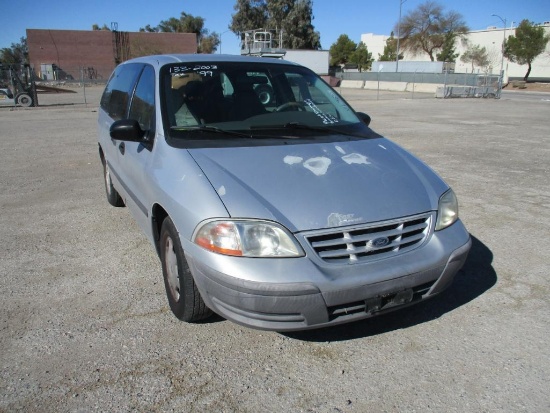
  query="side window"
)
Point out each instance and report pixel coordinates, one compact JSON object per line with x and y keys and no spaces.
{"x":142,"y":108}
{"x":117,"y":93}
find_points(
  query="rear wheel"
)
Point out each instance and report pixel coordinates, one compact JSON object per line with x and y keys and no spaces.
{"x":183,"y":296}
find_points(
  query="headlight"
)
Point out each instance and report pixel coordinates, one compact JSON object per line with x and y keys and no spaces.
{"x":247,"y":239}
{"x":447,"y":211}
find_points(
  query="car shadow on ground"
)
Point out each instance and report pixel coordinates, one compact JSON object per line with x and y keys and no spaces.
{"x":476,"y":277}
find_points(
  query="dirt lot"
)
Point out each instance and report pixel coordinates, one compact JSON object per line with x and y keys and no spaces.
{"x":85,"y":324}
{"x":529,"y":87}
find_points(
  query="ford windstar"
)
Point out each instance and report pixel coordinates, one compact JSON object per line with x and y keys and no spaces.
{"x":268,"y":198}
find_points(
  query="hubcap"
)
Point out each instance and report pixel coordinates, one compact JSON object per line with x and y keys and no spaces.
{"x":25,"y":101}
{"x":172,"y":275}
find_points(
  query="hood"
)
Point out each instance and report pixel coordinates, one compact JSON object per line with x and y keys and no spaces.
{"x":321,"y":185}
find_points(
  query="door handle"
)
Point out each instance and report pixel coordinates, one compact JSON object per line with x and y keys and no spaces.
{"x":122,"y":148}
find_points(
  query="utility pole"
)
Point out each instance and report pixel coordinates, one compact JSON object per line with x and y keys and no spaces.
{"x":501,"y":78}
{"x":398,"y":35}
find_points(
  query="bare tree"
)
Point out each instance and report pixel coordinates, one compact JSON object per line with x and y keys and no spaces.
{"x":477,"y":56}
{"x":426,"y":28}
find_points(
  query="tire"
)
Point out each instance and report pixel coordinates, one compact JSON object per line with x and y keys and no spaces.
{"x":183,"y":296}
{"x":24,"y":99}
{"x":113,"y":197}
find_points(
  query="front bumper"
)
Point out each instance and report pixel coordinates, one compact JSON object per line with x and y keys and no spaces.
{"x":322,"y":296}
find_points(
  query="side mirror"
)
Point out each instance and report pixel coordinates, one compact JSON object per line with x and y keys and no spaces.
{"x":364,"y":118}
{"x":127,"y":130}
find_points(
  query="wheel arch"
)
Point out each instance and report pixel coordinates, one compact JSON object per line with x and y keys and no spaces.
{"x":101,"y":154}
{"x":157,"y":217}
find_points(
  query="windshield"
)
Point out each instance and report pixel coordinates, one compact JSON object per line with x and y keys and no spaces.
{"x":255,"y":99}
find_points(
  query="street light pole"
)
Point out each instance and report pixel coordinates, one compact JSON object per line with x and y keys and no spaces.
{"x":398,"y":35}
{"x":221,"y":34}
{"x":501,"y":78}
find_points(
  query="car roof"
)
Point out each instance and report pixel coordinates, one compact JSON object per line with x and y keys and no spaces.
{"x":162,"y":60}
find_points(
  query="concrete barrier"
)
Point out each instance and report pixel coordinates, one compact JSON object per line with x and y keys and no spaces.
{"x":355,"y":84}
{"x":460,"y":91}
{"x":423,"y":87}
{"x":371,"y":85}
{"x":402,"y":86}
{"x":391,"y":86}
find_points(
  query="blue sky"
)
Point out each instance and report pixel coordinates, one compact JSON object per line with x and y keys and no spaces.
{"x":331,"y":18}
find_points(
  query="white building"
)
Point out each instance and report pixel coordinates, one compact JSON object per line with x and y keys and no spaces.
{"x":490,"y":38}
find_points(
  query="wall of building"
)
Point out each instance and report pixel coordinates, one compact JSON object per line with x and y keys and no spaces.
{"x":375,"y":43}
{"x":97,"y":52}
{"x":491,"y":38}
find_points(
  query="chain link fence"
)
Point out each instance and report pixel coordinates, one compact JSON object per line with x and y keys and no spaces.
{"x":51,"y":85}
{"x":79,"y":85}
{"x":445,"y":85}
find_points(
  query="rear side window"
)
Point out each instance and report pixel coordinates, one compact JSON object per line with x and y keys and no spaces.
{"x":143,"y":103}
{"x":118,"y":91}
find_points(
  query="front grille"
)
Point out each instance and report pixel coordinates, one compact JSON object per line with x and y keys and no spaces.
{"x":382,"y":240}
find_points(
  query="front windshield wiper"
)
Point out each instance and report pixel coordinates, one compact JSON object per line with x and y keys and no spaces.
{"x":298,"y":125}
{"x":213,"y":129}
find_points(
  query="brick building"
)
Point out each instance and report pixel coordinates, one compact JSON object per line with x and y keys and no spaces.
{"x":94,"y":54}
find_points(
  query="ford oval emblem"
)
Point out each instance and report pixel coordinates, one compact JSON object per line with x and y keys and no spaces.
{"x":380,"y":242}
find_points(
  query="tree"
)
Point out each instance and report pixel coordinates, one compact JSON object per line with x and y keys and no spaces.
{"x":210,"y":43}
{"x":529,"y":42}
{"x":148,"y":29}
{"x":187,"y":23}
{"x":342,"y":50}
{"x":477,"y":56}
{"x":390,"y":50}
{"x":292,"y":17}
{"x":16,"y":54}
{"x":361,"y":57}
{"x":448,"y":50}
{"x":104,"y":27}
{"x":250,"y":15}
{"x":426,"y":28}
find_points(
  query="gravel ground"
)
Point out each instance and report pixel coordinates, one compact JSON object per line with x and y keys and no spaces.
{"x":85,"y":324}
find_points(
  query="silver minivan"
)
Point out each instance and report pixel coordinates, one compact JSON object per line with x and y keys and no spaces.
{"x":268,"y":199}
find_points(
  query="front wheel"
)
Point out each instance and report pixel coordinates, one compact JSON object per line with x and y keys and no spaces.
{"x":183,"y":296}
{"x":24,"y":99}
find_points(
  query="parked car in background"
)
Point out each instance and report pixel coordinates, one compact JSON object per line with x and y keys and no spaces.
{"x":285,"y":213}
